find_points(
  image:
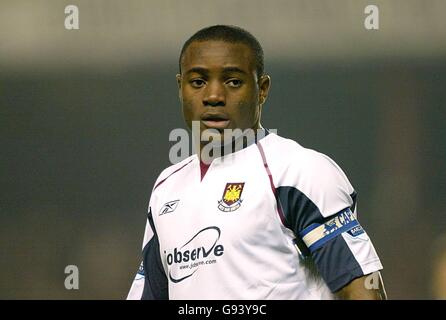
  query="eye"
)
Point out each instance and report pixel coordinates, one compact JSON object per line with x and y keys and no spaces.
{"x":234,"y":83}
{"x":197,"y":83}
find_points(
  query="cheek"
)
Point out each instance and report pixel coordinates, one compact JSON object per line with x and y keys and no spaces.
{"x":248,"y":105}
{"x":189,"y":111}
{"x":189,"y":101}
{"x":247,"y":113}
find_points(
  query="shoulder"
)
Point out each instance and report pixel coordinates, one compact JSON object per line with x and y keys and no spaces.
{"x":309,"y":172}
{"x":171,"y":170}
{"x":290,"y":154}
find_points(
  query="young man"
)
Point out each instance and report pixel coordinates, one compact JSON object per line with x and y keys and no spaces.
{"x":268,"y":220}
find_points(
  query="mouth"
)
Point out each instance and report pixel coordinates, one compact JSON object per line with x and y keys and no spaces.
{"x":215,"y":121}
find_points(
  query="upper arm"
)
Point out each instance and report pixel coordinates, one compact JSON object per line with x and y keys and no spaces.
{"x":137,"y":287}
{"x":150,"y":282}
{"x":368,"y":287}
{"x":320,"y":208}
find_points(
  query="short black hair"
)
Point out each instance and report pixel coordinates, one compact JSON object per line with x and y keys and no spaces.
{"x":231,"y":34}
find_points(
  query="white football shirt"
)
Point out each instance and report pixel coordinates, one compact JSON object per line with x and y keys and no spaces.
{"x":243,"y":230}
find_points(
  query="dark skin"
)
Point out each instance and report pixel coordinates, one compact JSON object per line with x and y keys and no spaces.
{"x":219,"y":87}
{"x":357,"y":290}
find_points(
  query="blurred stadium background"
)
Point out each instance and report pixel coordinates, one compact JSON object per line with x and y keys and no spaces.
{"x":85,"y":117}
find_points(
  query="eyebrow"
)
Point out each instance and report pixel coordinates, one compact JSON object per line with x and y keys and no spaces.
{"x":233,"y":69}
{"x":206,"y":71}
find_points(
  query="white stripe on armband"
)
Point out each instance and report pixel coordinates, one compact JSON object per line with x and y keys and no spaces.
{"x":316,"y":235}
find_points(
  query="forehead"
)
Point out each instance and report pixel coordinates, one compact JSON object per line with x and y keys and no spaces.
{"x":214,"y":54}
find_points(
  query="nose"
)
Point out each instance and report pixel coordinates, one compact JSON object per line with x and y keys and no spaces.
{"x":214,"y":95}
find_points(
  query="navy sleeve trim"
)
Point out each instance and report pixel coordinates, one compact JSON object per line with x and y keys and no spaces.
{"x":336,"y":263}
{"x":155,"y":283}
{"x":344,"y":279}
{"x":299,"y":210}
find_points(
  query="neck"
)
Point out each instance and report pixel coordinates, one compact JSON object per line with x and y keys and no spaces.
{"x":210,"y":150}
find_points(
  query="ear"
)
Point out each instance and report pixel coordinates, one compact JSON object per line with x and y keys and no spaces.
{"x":178,"y":76}
{"x":264,"y":85}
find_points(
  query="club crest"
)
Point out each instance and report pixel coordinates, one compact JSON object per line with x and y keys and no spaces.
{"x":231,"y":200}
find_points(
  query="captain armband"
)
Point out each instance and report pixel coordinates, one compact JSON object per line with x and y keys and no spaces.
{"x":316,"y":234}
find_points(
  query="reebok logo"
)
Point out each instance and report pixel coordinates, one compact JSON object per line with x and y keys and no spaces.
{"x":169,"y":207}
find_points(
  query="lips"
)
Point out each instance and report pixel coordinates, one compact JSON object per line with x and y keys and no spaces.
{"x":215,"y":120}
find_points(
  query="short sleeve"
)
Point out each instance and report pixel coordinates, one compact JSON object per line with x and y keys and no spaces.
{"x":150,"y":282}
{"x":319,"y":205}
